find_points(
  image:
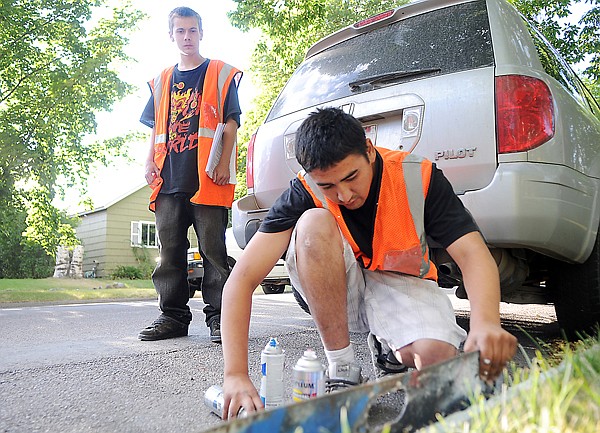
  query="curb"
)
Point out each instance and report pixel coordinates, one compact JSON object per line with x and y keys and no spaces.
{"x":453,"y":422}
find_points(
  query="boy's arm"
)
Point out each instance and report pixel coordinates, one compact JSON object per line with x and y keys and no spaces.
{"x":221,"y":173}
{"x":151,"y":172}
{"x":481,"y":280}
{"x":257,"y":260}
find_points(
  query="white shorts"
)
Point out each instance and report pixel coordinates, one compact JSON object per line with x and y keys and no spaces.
{"x":399,"y":309}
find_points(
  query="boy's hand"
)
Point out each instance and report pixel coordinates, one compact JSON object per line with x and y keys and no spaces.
{"x":151,"y":173}
{"x":496,"y":347}
{"x":221,"y":173}
{"x":239,"y":392}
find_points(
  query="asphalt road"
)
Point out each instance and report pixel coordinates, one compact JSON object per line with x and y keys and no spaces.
{"x":81,"y":368}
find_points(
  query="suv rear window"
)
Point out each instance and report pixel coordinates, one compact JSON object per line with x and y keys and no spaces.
{"x":443,"y":41}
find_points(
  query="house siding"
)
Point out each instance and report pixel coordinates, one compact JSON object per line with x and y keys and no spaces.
{"x":92,"y":233}
{"x":105,"y":233}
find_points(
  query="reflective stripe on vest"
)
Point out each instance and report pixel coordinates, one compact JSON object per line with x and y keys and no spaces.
{"x":404,"y":249}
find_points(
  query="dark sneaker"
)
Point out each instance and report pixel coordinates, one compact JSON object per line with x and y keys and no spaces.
{"x":162,"y":328}
{"x":215,"y":330}
{"x":384,"y":361}
{"x":344,"y":376}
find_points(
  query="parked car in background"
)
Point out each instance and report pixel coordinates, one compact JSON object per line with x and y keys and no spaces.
{"x":473,"y":86}
{"x":274,"y":282}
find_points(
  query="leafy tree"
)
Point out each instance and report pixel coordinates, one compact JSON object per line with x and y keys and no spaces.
{"x":576,"y":41}
{"x":57,"y":69}
{"x":21,"y":257}
{"x":12,"y":224}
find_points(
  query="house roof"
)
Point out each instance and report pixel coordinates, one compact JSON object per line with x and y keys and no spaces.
{"x":113,"y":201}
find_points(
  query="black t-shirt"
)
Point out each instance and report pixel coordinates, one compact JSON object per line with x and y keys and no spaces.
{"x":446,"y":219}
{"x":180,"y":170}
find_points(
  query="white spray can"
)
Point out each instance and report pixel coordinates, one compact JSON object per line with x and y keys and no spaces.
{"x":308,"y":377}
{"x":213,"y":399}
{"x":272,"y":360}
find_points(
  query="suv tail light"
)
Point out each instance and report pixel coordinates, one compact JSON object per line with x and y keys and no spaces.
{"x":250,"y":163}
{"x":524,"y":113}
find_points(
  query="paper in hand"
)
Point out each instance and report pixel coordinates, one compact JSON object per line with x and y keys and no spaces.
{"x":214,"y":157}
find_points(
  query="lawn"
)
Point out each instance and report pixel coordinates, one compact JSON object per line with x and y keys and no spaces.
{"x":72,"y":290}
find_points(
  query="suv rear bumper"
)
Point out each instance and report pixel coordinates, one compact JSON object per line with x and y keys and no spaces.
{"x":551,"y":209}
{"x":246,"y":217}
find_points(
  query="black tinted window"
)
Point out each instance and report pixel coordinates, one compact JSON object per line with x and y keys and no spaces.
{"x":448,"y":40}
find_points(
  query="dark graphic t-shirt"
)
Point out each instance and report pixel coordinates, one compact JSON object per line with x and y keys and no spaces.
{"x":180,"y":170}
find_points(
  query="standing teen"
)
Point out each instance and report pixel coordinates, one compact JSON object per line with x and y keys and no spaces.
{"x":188,"y":101}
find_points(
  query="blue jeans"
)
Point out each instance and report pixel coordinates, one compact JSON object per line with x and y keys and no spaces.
{"x":174,"y":215}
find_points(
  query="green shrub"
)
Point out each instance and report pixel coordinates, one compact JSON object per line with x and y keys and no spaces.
{"x":145,"y":263}
{"x":25,"y":260}
{"x":127,"y":272}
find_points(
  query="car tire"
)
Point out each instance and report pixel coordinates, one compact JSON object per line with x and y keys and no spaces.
{"x":300,"y":300}
{"x":576,"y":292}
{"x":196,"y":284}
{"x":273,"y":289}
{"x":230,"y":262}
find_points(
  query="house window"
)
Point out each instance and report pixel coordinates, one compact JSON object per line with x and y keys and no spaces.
{"x":143,"y":234}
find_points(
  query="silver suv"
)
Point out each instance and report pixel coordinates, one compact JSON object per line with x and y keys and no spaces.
{"x":476,"y":88}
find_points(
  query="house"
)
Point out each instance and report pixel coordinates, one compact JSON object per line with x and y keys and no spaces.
{"x":120,"y":233}
{"x":114,"y":234}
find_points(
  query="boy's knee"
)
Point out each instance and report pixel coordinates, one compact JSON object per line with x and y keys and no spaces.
{"x":425,"y":352}
{"x":318,"y":234}
{"x":318,"y":225}
{"x":316,"y":219}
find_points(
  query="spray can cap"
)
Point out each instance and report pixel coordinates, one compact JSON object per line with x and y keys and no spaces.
{"x":310,"y":353}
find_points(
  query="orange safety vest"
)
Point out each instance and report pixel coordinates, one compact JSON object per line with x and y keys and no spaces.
{"x":216,"y":85}
{"x":399,"y":242}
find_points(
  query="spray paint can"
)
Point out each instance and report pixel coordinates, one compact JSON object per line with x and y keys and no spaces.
{"x":308,"y":377}
{"x":213,"y":399}
{"x":272,"y":360}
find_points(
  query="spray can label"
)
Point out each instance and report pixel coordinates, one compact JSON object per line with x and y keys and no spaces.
{"x":272,"y":360}
{"x":213,"y":399}
{"x":308,"y":377}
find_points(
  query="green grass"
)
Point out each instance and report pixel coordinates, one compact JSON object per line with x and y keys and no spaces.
{"x":543,"y":397}
{"x":559,"y":393}
{"x":70,"y":290}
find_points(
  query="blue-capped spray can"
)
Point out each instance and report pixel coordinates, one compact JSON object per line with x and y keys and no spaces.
{"x":272,"y":360}
{"x":308,"y":377}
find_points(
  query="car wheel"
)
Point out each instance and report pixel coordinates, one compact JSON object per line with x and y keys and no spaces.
{"x":194,"y":285}
{"x":230,"y":262}
{"x":576,"y":291}
{"x":300,"y":300}
{"x":273,"y":289}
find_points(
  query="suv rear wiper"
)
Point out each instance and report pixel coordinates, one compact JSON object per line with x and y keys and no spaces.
{"x":391,"y":77}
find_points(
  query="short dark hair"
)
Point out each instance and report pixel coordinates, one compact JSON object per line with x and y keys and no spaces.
{"x":181,"y":12}
{"x":328,"y":136}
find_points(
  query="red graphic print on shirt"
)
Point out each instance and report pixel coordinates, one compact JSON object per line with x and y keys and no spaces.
{"x":185,"y":108}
